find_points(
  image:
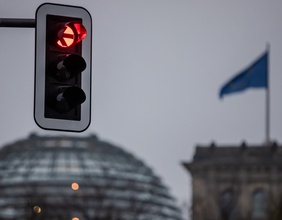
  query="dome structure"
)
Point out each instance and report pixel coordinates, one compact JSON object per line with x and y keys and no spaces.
{"x":74,"y":178}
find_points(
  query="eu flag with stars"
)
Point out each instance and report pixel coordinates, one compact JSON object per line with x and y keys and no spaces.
{"x":254,"y":76}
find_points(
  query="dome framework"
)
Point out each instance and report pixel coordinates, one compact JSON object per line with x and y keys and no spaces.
{"x":74,"y":178}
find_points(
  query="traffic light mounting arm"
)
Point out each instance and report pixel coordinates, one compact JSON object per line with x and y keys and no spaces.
{"x":17,"y":22}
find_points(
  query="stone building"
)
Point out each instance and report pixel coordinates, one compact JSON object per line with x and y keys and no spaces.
{"x":236,"y":183}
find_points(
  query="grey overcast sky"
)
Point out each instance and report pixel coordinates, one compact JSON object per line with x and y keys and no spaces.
{"x":157,"y":69}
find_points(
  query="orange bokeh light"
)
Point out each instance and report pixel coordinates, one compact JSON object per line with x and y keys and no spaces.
{"x":37,"y":209}
{"x":75,"y":186}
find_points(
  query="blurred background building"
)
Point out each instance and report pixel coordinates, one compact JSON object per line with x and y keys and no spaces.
{"x":74,"y":178}
{"x":236,"y":183}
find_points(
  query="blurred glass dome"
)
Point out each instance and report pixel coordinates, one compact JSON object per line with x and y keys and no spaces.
{"x":76,"y":178}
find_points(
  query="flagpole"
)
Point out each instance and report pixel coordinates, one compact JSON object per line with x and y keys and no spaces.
{"x":267,"y":118}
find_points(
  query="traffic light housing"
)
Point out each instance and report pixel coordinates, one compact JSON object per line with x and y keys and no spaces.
{"x":63,"y":67}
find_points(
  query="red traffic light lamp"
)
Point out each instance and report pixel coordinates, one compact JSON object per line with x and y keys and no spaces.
{"x":66,"y":35}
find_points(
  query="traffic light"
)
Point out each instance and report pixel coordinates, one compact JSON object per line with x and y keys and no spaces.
{"x":63,"y":38}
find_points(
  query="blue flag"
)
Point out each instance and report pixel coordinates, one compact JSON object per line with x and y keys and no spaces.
{"x":254,"y":76}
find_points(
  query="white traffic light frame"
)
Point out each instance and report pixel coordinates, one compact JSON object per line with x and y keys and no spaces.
{"x":40,"y":59}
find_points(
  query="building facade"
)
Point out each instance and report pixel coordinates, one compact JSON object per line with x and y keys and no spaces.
{"x":79,"y":178}
{"x":236,"y":182}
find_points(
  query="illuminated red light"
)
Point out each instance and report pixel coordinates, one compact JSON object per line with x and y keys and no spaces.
{"x":67,"y":38}
{"x":72,"y":34}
